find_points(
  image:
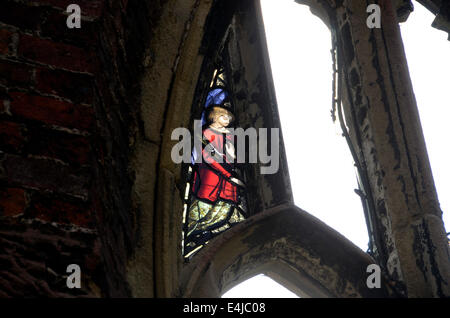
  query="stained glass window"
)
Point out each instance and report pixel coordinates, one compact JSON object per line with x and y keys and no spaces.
{"x":215,"y":190}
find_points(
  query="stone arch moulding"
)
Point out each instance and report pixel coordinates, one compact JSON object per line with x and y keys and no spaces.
{"x":172,"y":67}
{"x":291,"y":246}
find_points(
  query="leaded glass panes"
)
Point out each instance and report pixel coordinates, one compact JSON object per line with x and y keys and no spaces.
{"x":215,"y":192}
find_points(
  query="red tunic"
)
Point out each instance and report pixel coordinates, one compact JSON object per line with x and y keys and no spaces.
{"x":211,"y":180}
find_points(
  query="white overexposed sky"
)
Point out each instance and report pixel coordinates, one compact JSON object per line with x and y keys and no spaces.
{"x":259,"y":286}
{"x":321,"y":168}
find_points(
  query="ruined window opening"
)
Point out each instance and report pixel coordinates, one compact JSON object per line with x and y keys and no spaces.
{"x":430,"y":83}
{"x":340,"y":210}
{"x":215,"y":196}
{"x":341,"y":41}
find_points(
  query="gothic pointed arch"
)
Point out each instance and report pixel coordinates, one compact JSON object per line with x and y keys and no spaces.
{"x":289,"y":245}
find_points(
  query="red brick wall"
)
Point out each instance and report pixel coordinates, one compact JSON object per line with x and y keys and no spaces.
{"x":68,"y":107}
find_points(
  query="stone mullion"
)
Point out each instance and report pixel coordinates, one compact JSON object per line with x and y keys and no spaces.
{"x":392,"y":145}
{"x":356,"y":106}
{"x":256,"y":103}
{"x":428,"y":241}
{"x":168,"y":207}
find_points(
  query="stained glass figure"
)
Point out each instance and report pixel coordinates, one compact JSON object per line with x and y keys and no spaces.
{"x":216,"y":197}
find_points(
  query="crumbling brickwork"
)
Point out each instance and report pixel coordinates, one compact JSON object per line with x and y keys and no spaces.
{"x":68,"y":101}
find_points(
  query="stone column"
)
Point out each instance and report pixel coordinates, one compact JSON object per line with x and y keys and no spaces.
{"x":384,"y":124}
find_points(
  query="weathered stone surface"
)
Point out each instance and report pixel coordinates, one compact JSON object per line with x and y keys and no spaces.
{"x":277,"y":239}
{"x":168,"y":252}
{"x":256,"y":103}
{"x":390,"y":144}
{"x":165,"y":48}
{"x":141,"y":267}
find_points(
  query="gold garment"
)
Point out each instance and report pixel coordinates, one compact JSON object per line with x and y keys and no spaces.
{"x":204,"y":216}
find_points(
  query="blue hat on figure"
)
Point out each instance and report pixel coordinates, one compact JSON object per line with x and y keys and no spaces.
{"x":217,"y":97}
